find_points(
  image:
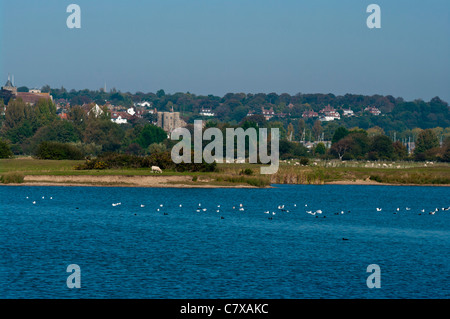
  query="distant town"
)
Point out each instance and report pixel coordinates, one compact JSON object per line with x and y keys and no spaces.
{"x":306,"y":119}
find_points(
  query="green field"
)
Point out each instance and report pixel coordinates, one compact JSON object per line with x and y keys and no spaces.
{"x":321,"y":172}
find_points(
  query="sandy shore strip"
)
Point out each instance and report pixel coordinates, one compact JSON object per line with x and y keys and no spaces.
{"x":184,"y":181}
{"x":169,"y":181}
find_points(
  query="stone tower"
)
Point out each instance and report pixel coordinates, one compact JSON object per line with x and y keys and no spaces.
{"x":169,"y":121}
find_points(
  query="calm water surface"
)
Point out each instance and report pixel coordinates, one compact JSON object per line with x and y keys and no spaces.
{"x":129,"y":251}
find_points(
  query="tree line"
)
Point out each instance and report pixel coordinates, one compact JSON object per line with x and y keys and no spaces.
{"x":397,"y":114}
{"x":27,"y":129}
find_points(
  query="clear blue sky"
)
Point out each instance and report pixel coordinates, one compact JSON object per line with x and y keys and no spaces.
{"x":215,"y":47}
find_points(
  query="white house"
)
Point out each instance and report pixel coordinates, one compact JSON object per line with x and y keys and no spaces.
{"x":348,"y":112}
{"x":119,"y":120}
{"x":372,"y":110}
{"x":206,"y":112}
{"x":120,"y":117}
{"x":144,"y":104}
{"x":329,"y":114}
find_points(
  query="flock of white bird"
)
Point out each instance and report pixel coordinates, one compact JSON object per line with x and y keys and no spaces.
{"x":280,"y":208}
{"x":34,"y":202}
{"x":420,"y":212}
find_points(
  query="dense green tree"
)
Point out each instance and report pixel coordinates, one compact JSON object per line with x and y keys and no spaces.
{"x":58,"y":151}
{"x":22,"y":89}
{"x":20,"y":121}
{"x":426,"y":140}
{"x":45,"y":112}
{"x":58,"y":131}
{"x":160,"y":93}
{"x":339,"y":134}
{"x":400,"y":151}
{"x":291,"y":149}
{"x":360,"y":146}
{"x":381,"y":147}
{"x":151,"y":134}
{"x":46,"y":89}
{"x":320,"y":149}
{"x":105,"y":133}
{"x":5,"y":149}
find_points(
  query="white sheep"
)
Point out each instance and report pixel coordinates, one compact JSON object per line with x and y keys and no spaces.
{"x":156,"y":169}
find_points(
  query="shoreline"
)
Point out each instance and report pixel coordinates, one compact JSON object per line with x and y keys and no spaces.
{"x":150,"y":181}
{"x":163,"y":181}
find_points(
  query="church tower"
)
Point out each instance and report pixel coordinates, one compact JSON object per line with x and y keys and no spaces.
{"x":9,"y":86}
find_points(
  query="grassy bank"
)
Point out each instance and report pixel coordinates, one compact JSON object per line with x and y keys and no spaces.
{"x":321,"y":172}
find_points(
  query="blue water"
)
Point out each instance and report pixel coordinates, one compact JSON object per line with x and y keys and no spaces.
{"x":128,"y":251}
